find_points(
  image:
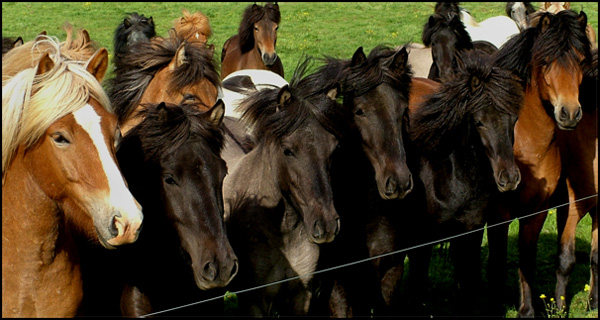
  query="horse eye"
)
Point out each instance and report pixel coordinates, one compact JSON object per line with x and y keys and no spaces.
{"x":276,"y":28}
{"x":359,"y":112}
{"x":169,"y":179}
{"x":287,"y":152}
{"x":255,"y":28}
{"x":59,"y":138}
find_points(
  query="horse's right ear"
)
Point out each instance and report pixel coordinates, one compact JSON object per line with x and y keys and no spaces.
{"x":216,"y":113}
{"x":18,"y":42}
{"x":151,"y":21}
{"x":180,"y":58}
{"x":582,"y":18}
{"x":43,"y":33}
{"x":98,"y":64}
{"x":45,"y":64}
{"x":399,"y":61}
{"x":544,"y":22}
{"x":359,"y":57}
{"x":332,"y":94}
{"x":126,"y":23}
{"x":431,"y":21}
{"x":255,"y":7}
{"x":86,"y":36}
{"x":284,"y":97}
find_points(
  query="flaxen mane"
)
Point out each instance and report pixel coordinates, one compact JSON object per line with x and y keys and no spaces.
{"x":31,"y":103}
{"x":190,"y":24}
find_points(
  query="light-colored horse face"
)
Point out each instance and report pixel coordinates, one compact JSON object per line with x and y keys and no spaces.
{"x":265,"y":37}
{"x":75,"y":165}
{"x":518,"y":12}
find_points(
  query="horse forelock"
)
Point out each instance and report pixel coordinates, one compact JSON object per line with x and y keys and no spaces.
{"x":163,"y":132}
{"x":31,"y":103}
{"x":442,"y":24}
{"x":192,"y":23}
{"x":431,"y":124}
{"x":249,"y":18}
{"x":139,"y":23}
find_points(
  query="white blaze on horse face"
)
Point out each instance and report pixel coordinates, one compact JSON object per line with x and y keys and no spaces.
{"x":119,"y":195}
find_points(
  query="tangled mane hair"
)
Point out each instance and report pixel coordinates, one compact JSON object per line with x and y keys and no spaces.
{"x":27,"y":55}
{"x":559,"y":37}
{"x":308,"y":100}
{"x":31,"y":103}
{"x":134,"y":24}
{"x":166,"y":127}
{"x":252,"y":15}
{"x":190,"y":24}
{"x":438,"y":23}
{"x":476,"y":84}
{"x":147,"y":58}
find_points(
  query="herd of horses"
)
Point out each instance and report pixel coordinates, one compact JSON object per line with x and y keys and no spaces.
{"x":207,"y":177}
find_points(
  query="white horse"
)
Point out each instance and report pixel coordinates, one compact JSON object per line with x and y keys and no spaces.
{"x":496,"y":30}
{"x":238,"y":85}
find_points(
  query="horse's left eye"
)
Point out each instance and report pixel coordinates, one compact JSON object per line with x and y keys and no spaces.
{"x":256,"y":29}
{"x":60,"y":138}
{"x":276,"y":28}
{"x":287,"y":152}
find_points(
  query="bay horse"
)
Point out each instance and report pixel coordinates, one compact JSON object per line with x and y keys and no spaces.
{"x":278,"y":199}
{"x":551,"y":76}
{"x":519,"y":12}
{"x":253,"y":47}
{"x":164,"y":70}
{"x":134,"y":28}
{"x":59,"y":178}
{"x":447,"y":39}
{"x":173,"y":165}
{"x":368,"y":171}
{"x":579,"y":158}
{"x":193,"y":27}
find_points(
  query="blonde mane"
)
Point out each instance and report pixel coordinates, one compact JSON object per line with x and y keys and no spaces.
{"x":190,"y":24}
{"x":27,"y":55}
{"x":31,"y":103}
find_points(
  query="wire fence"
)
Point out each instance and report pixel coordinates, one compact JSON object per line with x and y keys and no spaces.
{"x":367,"y":259}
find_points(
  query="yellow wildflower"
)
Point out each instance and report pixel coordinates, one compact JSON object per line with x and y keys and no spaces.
{"x":543,"y":296}
{"x":586,"y":287}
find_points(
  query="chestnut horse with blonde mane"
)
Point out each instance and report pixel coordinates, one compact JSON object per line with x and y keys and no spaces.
{"x":166,"y":70}
{"x":193,"y":27}
{"x":551,"y":76}
{"x":60,"y":179}
{"x":253,"y":47}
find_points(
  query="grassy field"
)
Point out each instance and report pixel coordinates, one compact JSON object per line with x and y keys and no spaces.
{"x":317,"y":29}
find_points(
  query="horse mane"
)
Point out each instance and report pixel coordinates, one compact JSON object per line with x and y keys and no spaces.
{"x":253,"y":14}
{"x":31,"y":103}
{"x":447,"y":9}
{"x":122,"y":32}
{"x":447,"y":110}
{"x":147,"y":58}
{"x":189,"y":24}
{"x":441,"y":23}
{"x":589,"y":85}
{"x":563,"y":40}
{"x":270,"y":124}
{"x":166,"y":127}
{"x":28,"y":54}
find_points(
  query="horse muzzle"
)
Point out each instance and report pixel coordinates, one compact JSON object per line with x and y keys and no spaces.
{"x":508,"y":180}
{"x":323,"y":230}
{"x":269,"y":59}
{"x":567,"y":118}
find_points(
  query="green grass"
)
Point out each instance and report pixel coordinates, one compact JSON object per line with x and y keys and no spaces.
{"x":317,"y":28}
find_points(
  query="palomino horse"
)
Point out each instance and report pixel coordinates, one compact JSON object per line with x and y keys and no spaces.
{"x":579,"y":157}
{"x":551,"y":76}
{"x":369,"y":170}
{"x":447,"y":40}
{"x":134,"y":28}
{"x":193,"y":27}
{"x":172,"y":164}
{"x":278,"y":198}
{"x":253,"y":47}
{"x":164,"y":70}
{"x":519,"y":12}
{"x":60,"y":178}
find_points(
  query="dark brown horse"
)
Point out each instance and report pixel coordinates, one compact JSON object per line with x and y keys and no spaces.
{"x":551,"y":75}
{"x":9,"y":43}
{"x":253,"y":47}
{"x":163,"y":70}
{"x":134,"y":28}
{"x":579,"y":157}
{"x":59,"y":179}
{"x":278,"y":199}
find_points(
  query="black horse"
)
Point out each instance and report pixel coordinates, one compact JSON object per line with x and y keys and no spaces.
{"x":133,"y":29}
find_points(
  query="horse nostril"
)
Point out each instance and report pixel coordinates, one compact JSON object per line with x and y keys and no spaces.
{"x":409,"y":185}
{"x":564,"y":114}
{"x":337,"y":226}
{"x":234,"y":270}
{"x":209,"y":272}
{"x":578,"y":114}
{"x":319,"y":231}
{"x":390,"y":186}
{"x":113,"y":228}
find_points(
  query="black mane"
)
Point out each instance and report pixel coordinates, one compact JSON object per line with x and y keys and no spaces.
{"x":437,"y":24}
{"x":253,"y":14}
{"x":133,"y":22}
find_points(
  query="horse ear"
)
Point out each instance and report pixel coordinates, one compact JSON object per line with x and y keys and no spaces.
{"x":475,"y":83}
{"x":45,"y":64}
{"x":180,"y":58}
{"x":399,"y":61}
{"x":254,"y":7}
{"x":276,"y":6}
{"x":98,"y":64}
{"x":126,"y":23}
{"x":333,"y":92}
{"x":359,"y":57}
{"x":43,"y":33}
{"x":567,"y":5}
{"x":150,"y":20}
{"x":216,"y":113}
{"x":211,"y":48}
{"x":545,"y":22}
{"x":86,"y":36}
{"x":18,"y":42}
{"x":284,"y":97}
{"x":431,"y":21}
{"x":163,"y":114}
{"x":582,"y":18}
